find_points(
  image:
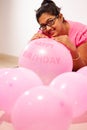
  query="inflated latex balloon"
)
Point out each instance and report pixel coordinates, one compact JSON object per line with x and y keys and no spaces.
{"x":12,"y":84}
{"x":73,"y":86}
{"x":47,"y":58}
{"x":41,"y":109}
{"x":3,"y":71}
{"x":83,"y":71}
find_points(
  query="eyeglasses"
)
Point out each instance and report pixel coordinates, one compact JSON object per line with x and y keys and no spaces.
{"x":49,"y":23}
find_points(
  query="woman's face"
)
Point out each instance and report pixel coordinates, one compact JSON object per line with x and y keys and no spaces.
{"x":51,"y":25}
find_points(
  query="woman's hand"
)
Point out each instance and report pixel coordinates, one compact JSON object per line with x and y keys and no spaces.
{"x":79,"y":54}
{"x":38,"y":35}
{"x":64,"y":39}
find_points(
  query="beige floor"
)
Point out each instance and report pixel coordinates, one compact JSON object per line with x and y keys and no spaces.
{"x":11,"y":61}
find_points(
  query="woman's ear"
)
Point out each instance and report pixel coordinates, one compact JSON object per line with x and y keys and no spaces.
{"x":61,"y":17}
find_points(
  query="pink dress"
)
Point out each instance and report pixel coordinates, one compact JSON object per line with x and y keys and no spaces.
{"x":77,"y":33}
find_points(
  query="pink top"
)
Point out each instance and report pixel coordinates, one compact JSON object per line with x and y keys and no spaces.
{"x":77,"y":33}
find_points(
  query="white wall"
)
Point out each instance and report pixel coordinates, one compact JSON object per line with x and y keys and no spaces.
{"x":18,"y":22}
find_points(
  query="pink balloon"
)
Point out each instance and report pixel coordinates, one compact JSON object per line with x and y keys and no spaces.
{"x":73,"y":86}
{"x":3,"y":71}
{"x":13,"y":84}
{"x":47,"y":58}
{"x":4,"y":117}
{"x":41,"y":109}
{"x":83,"y":71}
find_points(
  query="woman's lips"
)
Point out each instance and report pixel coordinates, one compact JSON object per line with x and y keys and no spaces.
{"x":51,"y":33}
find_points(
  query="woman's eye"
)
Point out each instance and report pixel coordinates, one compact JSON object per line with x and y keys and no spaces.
{"x":49,"y":22}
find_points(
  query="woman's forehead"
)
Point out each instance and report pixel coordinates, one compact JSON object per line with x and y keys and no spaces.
{"x":45,"y":17}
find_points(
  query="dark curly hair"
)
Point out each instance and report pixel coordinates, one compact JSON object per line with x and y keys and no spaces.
{"x":47,"y":6}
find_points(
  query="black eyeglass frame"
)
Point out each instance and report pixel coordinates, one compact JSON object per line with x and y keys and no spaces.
{"x":49,"y":23}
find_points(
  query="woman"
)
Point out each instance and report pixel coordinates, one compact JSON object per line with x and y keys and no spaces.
{"x":72,"y":34}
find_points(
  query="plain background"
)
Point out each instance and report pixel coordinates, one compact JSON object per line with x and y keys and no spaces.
{"x":18,"y":22}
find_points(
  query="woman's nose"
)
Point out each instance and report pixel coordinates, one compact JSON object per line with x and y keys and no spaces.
{"x":48,"y":28}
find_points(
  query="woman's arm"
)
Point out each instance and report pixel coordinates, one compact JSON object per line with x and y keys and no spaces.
{"x":39,"y":35}
{"x":79,"y":54}
{"x":81,"y":59}
{"x":82,"y":49}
